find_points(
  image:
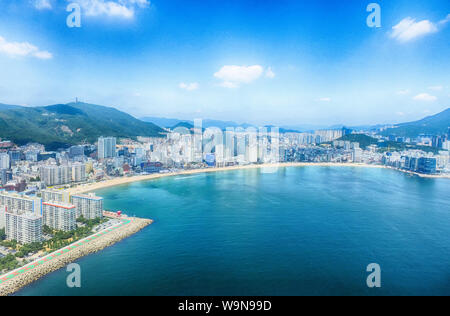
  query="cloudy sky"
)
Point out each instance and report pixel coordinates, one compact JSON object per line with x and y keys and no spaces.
{"x":280,"y":62}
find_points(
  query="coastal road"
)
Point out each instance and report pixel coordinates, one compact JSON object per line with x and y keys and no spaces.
{"x":17,"y":272}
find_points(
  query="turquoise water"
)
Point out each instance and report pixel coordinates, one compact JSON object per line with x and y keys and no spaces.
{"x":300,"y":231}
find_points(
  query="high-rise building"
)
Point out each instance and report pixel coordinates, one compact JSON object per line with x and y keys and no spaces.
{"x":21,"y":202}
{"x":106,"y":147}
{"x":357,"y":154}
{"x":446,"y":145}
{"x":3,"y":209}
{"x":76,"y":151}
{"x":89,"y":206}
{"x":23,"y":227}
{"x":15,"y":156}
{"x":3,"y":176}
{"x":427,"y":165}
{"x":5,"y":161}
{"x":78,"y":172}
{"x":55,"y":195}
{"x":59,"y":216}
{"x":56,"y":175}
{"x":437,"y":141}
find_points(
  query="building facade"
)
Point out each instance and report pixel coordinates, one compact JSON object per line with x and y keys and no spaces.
{"x":59,"y":216}
{"x":55,"y":196}
{"x":106,"y":147}
{"x":56,"y":175}
{"x":89,"y":206}
{"x":5,"y":161}
{"x":23,"y":227}
{"x":21,"y":202}
{"x":78,"y":172}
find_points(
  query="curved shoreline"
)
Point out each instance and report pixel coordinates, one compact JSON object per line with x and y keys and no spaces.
{"x":128,"y":180}
{"x":15,"y":280}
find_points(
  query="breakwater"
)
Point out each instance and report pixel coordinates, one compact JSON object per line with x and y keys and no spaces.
{"x":17,"y":279}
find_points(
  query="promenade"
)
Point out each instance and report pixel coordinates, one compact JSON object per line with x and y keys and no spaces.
{"x":18,"y":278}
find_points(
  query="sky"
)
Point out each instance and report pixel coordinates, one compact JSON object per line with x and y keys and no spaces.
{"x":279,"y":62}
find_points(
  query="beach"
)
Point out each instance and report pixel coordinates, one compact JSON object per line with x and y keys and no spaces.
{"x":127,"y":180}
{"x":14,"y":280}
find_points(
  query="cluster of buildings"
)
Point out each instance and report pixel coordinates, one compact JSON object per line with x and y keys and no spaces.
{"x":33,"y":180}
{"x":23,"y":217}
{"x":435,"y":141}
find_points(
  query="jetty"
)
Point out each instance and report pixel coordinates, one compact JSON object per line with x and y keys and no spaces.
{"x":14,"y":280}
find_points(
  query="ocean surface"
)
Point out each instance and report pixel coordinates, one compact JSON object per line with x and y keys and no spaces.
{"x":299,"y":231}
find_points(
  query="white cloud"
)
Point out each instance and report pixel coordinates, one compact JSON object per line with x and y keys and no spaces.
{"x":403,"y":92}
{"x":445,"y":21}
{"x":234,"y":76}
{"x":25,"y":49}
{"x":324,"y":99}
{"x":189,"y":86}
{"x":42,"y":4}
{"x":408,"y":29}
{"x":400,"y":113}
{"x":425,"y":97}
{"x":436,"y":88}
{"x":118,"y":8}
{"x":269,"y":73}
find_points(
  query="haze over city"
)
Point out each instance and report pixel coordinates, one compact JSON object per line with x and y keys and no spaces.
{"x":260,"y":62}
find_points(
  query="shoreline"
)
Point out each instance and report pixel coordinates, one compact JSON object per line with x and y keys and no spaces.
{"x":128,"y":180}
{"x":15,"y":280}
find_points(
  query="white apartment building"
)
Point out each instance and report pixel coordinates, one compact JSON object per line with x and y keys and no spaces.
{"x":59,"y":216}
{"x":23,"y":227}
{"x":446,"y":145}
{"x":19,"y":202}
{"x":2,"y":216}
{"x":78,"y":172}
{"x":106,"y":147}
{"x":357,"y":155}
{"x":56,"y":175}
{"x":5,"y":162}
{"x":89,"y":206}
{"x":55,"y":196}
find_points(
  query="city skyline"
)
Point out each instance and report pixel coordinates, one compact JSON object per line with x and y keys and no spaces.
{"x":282,"y":63}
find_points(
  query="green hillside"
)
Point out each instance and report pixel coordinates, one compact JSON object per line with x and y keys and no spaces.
{"x":362,"y":139}
{"x":434,"y":125}
{"x":63,"y":125}
{"x":383,"y":146}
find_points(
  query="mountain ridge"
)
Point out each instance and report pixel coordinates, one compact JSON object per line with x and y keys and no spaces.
{"x":63,"y":125}
{"x":433,"y":125}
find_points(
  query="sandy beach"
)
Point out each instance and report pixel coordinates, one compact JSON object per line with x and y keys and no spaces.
{"x":127,"y":180}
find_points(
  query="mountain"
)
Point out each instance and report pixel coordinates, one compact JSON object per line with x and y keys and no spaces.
{"x":184,"y":125}
{"x":163,"y":122}
{"x":362,"y":139}
{"x":4,"y":107}
{"x":433,"y":125}
{"x":170,"y":123}
{"x":62,"y":125}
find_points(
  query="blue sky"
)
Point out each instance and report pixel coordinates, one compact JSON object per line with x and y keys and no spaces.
{"x":280,"y":62}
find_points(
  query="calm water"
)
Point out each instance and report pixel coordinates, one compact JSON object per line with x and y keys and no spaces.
{"x":299,"y":231}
